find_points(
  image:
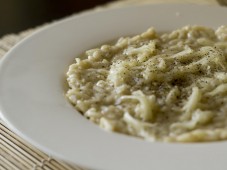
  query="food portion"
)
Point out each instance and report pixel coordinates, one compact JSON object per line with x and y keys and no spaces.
{"x":169,"y":87}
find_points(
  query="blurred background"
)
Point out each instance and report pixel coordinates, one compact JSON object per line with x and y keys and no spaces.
{"x":19,"y":15}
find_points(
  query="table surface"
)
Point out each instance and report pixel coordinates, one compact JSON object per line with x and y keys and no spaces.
{"x":16,"y":153}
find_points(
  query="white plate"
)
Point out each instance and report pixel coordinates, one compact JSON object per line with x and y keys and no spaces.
{"x":32,"y":92}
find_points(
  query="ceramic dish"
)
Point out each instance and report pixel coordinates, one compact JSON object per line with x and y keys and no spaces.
{"x":32,"y":87}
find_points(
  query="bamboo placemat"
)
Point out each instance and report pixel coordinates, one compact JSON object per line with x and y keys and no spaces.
{"x":18,"y":154}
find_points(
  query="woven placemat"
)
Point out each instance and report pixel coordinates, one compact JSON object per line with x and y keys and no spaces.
{"x":16,"y":153}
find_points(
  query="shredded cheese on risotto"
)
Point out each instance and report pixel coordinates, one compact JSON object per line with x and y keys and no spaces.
{"x":169,"y":87}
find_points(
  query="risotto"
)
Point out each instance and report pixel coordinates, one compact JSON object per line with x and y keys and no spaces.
{"x":169,"y":87}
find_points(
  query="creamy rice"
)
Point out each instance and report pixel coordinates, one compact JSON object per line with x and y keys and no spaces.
{"x":168,"y":87}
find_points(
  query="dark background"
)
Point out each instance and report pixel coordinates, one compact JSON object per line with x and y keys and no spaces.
{"x":19,"y":15}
